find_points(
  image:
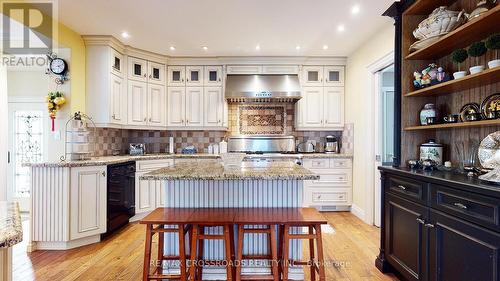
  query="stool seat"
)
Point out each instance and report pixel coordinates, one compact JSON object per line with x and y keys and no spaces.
{"x":168,"y":216}
{"x":212,"y":216}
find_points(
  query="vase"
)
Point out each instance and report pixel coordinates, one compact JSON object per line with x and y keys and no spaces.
{"x":476,"y":69}
{"x":429,"y":110}
{"x":431,"y":151}
{"x":459,"y":74}
{"x":493,"y":63}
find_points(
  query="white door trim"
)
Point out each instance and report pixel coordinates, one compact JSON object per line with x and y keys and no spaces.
{"x":4,"y":135}
{"x":374,"y":68}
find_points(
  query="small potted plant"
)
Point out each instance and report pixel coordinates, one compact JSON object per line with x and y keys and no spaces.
{"x":459,"y":56}
{"x":493,"y":43}
{"x":476,"y":50}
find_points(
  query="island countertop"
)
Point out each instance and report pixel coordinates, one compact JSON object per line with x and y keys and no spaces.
{"x":214,"y":170}
{"x":11,"y":230}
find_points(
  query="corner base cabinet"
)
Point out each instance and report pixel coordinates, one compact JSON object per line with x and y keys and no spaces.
{"x":439,"y":226}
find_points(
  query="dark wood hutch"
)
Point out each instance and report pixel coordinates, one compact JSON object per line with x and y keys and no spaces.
{"x":439,"y":225}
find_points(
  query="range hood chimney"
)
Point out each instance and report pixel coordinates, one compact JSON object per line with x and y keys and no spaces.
{"x":262,"y":88}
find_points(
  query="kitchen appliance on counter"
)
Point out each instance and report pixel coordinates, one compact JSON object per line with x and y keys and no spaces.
{"x":120,"y":196}
{"x":331,"y":145}
{"x":305,"y":147}
{"x":137,"y":149}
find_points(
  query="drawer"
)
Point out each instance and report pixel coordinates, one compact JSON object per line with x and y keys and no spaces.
{"x":147,"y":165}
{"x":316,"y":196}
{"x":340,"y":163}
{"x":473,"y":207}
{"x":407,"y":188}
{"x":317,"y":163}
{"x":335,"y":177}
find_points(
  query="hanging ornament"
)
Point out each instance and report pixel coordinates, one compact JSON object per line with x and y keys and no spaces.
{"x":54,"y":102}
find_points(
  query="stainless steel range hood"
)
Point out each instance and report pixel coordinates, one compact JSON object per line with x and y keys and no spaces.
{"x":262,"y":88}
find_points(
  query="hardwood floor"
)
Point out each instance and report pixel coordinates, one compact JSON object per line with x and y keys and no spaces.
{"x":351,"y":249}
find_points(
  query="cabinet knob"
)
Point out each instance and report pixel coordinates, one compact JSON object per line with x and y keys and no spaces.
{"x":429,"y":225}
{"x":218,"y":121}
{"x":150,"y":119}
{"x":182,"y":121}
{"x":326,"y":121}
{"x":145,"y":75}
{"x":113,"y":116}
{"x":219,"y":79}
{"x":187,"y":121}
{"x":182,"y":80}
{"x":103,"y":173}
{"x":187,"y":79}
{"x":402,"y":187}
{"x":150,"y":76}
{"x":145,"y":119}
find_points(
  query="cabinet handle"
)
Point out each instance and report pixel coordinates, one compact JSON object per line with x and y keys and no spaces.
{"x":219,"y":79}
{"x":145,"y":75}
{"x":218,"y":121}
{"x":341,"y":178}
{"x":460,"y":205}
{"x":103,"y":173}
{"x":187,"y":121}
{"x":150,"y":76}
{"x":182,"y":80}
{"x":145,"y":119}
{"x":114,"y":116}
{"x":420,"y":221}
{"x":182,"y":121}
{"x":402,"y":187}
{"x":187,"y":79}
{"x":429,"y":225}
{"x":150,"y":119}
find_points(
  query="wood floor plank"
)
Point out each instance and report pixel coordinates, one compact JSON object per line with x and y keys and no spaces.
{"x":350,"y":251}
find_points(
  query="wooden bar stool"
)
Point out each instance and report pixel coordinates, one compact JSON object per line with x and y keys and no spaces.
{"x":211,"y":217}
{"x":312,"y":219}
{"x":269,"y":218}
{"x":155,"y":223}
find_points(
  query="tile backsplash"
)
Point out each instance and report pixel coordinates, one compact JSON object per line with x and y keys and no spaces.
{"x":270,"y":119}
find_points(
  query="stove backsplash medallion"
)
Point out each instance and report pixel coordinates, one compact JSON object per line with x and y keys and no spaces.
{"x":268,"y":119}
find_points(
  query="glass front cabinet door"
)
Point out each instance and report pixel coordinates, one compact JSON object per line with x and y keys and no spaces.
{"x":116,"y":63}
{"x":334,"y":75}
{"x":194,"y":75}
{"x":176,"y":76}
{"x":213,"y":75}
{"x":312,"y":75}
{"x":156,"y":73}
{"x":137,"y":69}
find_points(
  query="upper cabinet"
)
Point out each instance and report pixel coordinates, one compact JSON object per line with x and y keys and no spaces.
{"x":156,"y":73}
{"x":176,"y":76}
{"x":263,"y":69}
{"x":137,"y":69}
{"x":322,"y":103}
{"x":213,"y":75}
{"x":194,"y":76}
{"x":117,"y":63}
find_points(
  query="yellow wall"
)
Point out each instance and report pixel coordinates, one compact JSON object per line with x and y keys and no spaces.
{"x":359,"y":110}
{"x":70,"y":39}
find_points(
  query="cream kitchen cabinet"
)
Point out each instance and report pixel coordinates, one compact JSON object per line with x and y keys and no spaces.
{"x":213,"y":75}
{"x":176,"y":76}
{"x":147,"y":104}
{"x":194,"y":106}
{"x":321,"y":108}
{"x":318,"y":75}
{"x":333,"y":191}
{"x":88,"y":195}
{"x":333,"y":76}
{"x":149,"y":194}
{"x":312,"y":76}
{"x":244,"y":69}
{"x":137,"y":69}
{"x":213,"y":106}
{"x":194,"y":75}
{"x":176,"y":106}
{"x":106,"y":98}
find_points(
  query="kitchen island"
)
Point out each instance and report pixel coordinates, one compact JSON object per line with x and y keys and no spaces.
{"x":209,"y":185}
{"x":11,"y":233}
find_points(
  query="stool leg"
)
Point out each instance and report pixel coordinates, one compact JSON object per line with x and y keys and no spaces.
{"x":311,"y":254}
{"x":233,"y":252}
{"x":182,"y":252}
{"x":147,"y":253}
{"x":286,"y":241}
{"x":199,"y":268}
{"x":239,"y":252}
{"x":321,"y":261}
{"x":280,"y":249}
{"x":159,"y":261}
{"x":227,"y":242}
{"x":192,"y":266}
{"x":274,"y":255}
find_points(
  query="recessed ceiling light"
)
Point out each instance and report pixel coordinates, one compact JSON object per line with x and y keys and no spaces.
{"x":297,"y":48}
{"x":125,"y":34}
{"x":341,"y":27}
{"x":355,"y":9}
{"x":172,"y":48}
{"x":257,"y":47}
{"x":325,"y":47}
{"x":205,"y":48}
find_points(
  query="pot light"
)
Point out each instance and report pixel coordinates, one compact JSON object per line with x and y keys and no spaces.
{"x":297,"y":47}
{"x":341,"y":28}
{"x":325,"y":47}
{"x":355,"y":9}
{"x":257,"y":47}
{"x":204,"y":48}
{"x":125,"y":34}
{"x":172,"y":48}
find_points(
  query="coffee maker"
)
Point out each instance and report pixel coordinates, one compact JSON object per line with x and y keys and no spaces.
{"x":331,"y":145}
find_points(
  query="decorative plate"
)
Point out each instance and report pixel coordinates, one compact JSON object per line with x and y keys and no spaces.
{"x":469,"y":108}
{"x":489,"y":151}
{"x":489,"y":104}
{"x":420,"y":44}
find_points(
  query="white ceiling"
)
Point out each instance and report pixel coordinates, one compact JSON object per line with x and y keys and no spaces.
{"x":230,"y":27}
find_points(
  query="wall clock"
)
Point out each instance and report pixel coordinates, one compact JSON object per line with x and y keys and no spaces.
{"x":58,"y":67}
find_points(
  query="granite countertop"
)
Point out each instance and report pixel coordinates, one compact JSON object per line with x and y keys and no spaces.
{"x":214,"y":170}
{"x":107,"y":160}
{"x":11,"y":230}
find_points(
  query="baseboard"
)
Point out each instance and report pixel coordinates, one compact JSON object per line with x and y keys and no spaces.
{"x":65,"y":245}
{"x":358,"y":212}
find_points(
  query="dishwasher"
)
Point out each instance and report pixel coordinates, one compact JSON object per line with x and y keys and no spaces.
{"x":120,"y":196}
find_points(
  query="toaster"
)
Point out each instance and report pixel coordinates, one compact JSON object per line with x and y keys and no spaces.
{"x":137,"y":149}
